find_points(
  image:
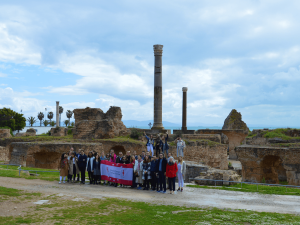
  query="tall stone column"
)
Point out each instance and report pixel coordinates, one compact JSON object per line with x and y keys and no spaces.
{"x":157,"y":124}
{"x":57,"y":113}
{"x":184,"y":100}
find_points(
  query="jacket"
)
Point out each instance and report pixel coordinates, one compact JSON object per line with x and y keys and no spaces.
{"x":136,"y":165}
{"x":70,"y":161}
{"x":164,"y":146}
{"x":82,"y":159}
{"x":94,"y":164}
{"x":164,"y":165}
{"x":153,"y":166}
{"x":149,"y":142}
{"x":119,"y":160}
{"x":183,"y":168}
{"x":90,"y":160}
{"x":146,"y":168}
{"x":171,"y":170}
{"x":114,"y":159}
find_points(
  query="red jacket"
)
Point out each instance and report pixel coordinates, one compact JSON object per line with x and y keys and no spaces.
{"x":171,"y":170}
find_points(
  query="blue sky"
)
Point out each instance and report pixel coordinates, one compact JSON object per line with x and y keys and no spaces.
{"x":230,"y":54}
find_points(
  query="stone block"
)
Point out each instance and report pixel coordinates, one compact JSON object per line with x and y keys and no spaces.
{"x":59,"y":131}
{"x":5,"y":133}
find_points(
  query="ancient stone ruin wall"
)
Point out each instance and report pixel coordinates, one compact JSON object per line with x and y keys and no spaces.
{"x":272,"y":164}
{"x":45,"y":155}
{"x":5,"y":133}
{"x":4,"y":153}
{"x":93,"y":123}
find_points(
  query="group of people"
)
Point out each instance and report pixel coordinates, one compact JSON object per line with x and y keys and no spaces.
{"x":150,"y":172}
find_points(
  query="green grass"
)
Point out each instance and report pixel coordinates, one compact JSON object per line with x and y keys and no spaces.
{"x":116,"y":211}
{"x":5,"y":193}
{"x":253,"y":188}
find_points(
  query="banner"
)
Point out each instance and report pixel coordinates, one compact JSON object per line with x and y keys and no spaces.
{"x":117,"y":172}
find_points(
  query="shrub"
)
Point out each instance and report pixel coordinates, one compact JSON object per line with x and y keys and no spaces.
{"x":229,"y":164}
{"x":70,"y":132}
{"x":135,"y":133}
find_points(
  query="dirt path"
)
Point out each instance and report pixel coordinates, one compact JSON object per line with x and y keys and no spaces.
{"x":192,"y":197}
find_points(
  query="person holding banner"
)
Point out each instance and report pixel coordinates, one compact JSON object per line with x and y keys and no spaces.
{"x":132,"y":161}
{"x":138,"y":170}
{"x":96,"y":168}
{"x":146,"y":172}
{"x":90,"y":167}
{"x":161,"y":172}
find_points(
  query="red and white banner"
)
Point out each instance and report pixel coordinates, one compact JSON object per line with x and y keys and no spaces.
{"x":117,"y":172}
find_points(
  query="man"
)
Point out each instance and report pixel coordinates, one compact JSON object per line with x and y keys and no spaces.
{"x":143,"y":155}
{"x":161,"y":172}
{"x":148,"y":154}
{"x":78,"y":175}
{"x":164,"y":143}
{"x":120,"y":158}
{"x":153,"y":174}
{"x":128,"y":157}
{"x":82,"y":159}
{"x":135,"y":155}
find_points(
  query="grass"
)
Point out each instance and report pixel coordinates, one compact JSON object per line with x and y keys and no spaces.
{"x":117,"y":211}
{"x":206,"y":142}
{"x":253,"y":188}
{"x":6,"y":193}
{"x":276,"y":133}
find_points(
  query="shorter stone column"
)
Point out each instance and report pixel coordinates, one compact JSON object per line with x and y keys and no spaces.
{"x":184,"y":103}
{"x":57,"y":113}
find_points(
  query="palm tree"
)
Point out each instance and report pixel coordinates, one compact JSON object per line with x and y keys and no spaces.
{"x":31,"y":120}
{"x":41,"y":117}
{"x":66,"y":122}
{"x":46,"y":123}
{"x":69,"y":114}
{"x":50,"y":116}
{"x":61,"y":110}
{"x":52,"y":124}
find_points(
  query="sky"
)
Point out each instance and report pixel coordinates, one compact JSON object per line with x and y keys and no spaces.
{"x":242,"y":55}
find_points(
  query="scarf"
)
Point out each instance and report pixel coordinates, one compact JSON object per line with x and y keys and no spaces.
{"x":63,"y":163}
{"x":171,"y":163}
{"x":139,"y":163}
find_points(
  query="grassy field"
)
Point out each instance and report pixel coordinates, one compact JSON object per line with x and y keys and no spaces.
{"x":253,"y":188}
{"x":115,"y":211}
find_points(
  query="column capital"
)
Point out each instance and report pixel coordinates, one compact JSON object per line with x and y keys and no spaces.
{"x":158,"y":49}
{"x":184,"y":89}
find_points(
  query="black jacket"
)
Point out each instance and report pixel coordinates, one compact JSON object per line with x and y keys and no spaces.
{"x":94,"y":164}
{"x":82,"y":159}
{"x":118,"y":160}
{"x":164,"y":165}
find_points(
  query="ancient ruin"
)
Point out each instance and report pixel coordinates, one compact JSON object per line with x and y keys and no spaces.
{"x":5,"y":133}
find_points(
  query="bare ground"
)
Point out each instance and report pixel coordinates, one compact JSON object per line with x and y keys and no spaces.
{"x":190,"y":197}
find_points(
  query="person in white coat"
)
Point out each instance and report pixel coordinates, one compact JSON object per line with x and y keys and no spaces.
{"x":181,"y":173}
{"x":180,"y":146}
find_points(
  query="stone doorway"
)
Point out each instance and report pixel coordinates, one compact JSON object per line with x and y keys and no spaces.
{"x":118,"y":149}
{"x":272,"y":170}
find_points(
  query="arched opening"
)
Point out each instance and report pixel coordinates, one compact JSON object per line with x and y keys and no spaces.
{"x":118,"y":149}
{"x":272,"y":170}
{"x":47,"y":160}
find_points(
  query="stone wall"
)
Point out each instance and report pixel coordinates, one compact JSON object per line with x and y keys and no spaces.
{"x":273,"y":164}
{"x":5,"y":133}
{"x":211,"y":137}
{"x":4,"y":154}
{"x":59,"y":131}
{"x":45,"y":155}
{"x":93,"y":123}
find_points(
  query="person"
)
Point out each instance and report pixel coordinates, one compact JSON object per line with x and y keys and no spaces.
{"x":181,"y":173}
{"x":171,"y":171}
{"x":96,"y":168}
{"x":73,"y":167}
{"x":82,"y":159}
{"x":89,"y":167}
{"x":78,"y":174}
{"x":135,"y":155}
{"x":132,"y":161}
{"x":161,"y":172}
{"x":146,"y":172}
{"x":138,"y":169}
{"x":164,"y":144}
{"x":69,"y":156}
{"x":150,"y":143}
{"x":169,"y":156}
{"x":148,"y":154}
{"x":157,"y":146}
{"x":128,"y":156}
{"x":180,"y":146}
{"x":124,"y":159}
{"x":113,"y":156}
{"x":102,"y":156}
{"x":153,"y":173}
{"x":120,"y":158}
{"x":107,"y":157}
{"x":63,"y":168}
{"x":143,"y":155}
{"x":94,"y":153}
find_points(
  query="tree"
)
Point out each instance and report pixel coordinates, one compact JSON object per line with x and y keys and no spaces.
{"x":50,"y":116}
{"x":31,"y":120}
{"x":69,"y":114}
{"x":12,"y":119}
{"x":52,"y":123}
{"x":20,"y":121}
{"x":66,"y":122}
{"x":41,"y":117}
{"x":46,"y":123}
{"x":61,"y":110}
{"x":72,"y":124}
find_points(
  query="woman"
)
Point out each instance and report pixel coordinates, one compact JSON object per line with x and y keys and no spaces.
{"x":157,"y":146}
{"x":102,"y":157}
{"x":150,"y":143}
{"x":132,"y":161}
{"x":112,"y":158}
{"x":164,"y":144}
{"x":73,"y":167}
{"x":171,"y":171}
{"x":107,"y":157}
{"x":90,"y":167}
{"x":138,"y":170}
{"x":146,"y":172}
{"x":181,"y":173}
{"x":96,"y":168}
{"x":63,"y":167}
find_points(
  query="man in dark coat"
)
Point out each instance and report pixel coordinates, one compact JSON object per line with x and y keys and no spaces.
{"x":82,"y":159}
{"x":161,"y":166}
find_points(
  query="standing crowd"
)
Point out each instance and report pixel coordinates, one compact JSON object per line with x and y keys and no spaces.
{"x":150,"y":172}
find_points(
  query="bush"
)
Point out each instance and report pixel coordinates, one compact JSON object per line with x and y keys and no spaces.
{"x":9,"y":129}
{"x":70,"y":132}
{"x":135,"y":133}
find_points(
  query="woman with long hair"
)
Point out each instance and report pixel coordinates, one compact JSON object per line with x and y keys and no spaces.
{"x":132,"y":161}
{"x":146,"y":172}
{"x":171,"y":171}
{"x":181,"y":173}
{"x":63,"y":168}
{"x":97,"y":174}
{"x":138,"y":170}
{"x":90,"y":167}
{"x":73,"y":167}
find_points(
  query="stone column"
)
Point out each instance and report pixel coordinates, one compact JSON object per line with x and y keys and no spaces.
{"x":184,"y":100}
{"x":57,"y":113}
{"x":157,"y":124}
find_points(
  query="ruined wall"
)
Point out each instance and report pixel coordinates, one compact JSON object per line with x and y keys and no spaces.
{"x":45,"y":155}
{"x":4,"y":154}
{"x":5,"y":133}
{"x":211,"y":137}
{"x":93,"y":123}
{"x":273,"y":164}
